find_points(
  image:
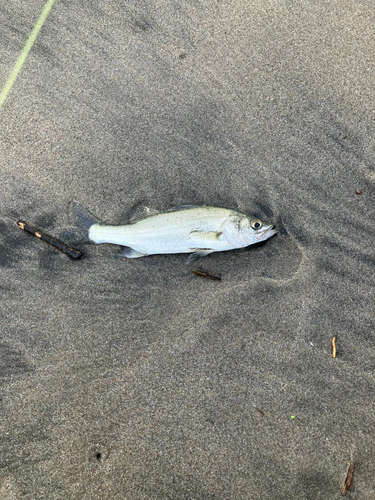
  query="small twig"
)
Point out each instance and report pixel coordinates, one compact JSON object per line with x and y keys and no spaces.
{"x":348,"y":480}
{"x":74,"y":254}
{"x":205,"y":274}
{"x":333,"y":347}
{"x":260,"y":412}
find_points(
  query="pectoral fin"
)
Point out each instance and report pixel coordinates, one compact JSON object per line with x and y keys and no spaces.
{"x":204,"y":237}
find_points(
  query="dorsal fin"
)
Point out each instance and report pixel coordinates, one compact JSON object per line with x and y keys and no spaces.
{"x":183,"y":207}
{"x":140,"y":213}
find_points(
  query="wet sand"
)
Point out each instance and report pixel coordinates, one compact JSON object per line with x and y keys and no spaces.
{"x":136,"y":379}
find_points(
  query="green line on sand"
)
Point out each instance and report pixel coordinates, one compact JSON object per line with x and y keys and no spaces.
{"x":25,"y":51}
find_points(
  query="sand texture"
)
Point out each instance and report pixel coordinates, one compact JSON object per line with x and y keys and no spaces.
{"x":136,"y":379}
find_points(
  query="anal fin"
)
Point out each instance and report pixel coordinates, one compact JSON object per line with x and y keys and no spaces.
{"x":130,"y":253}
{"x":198,"y":252}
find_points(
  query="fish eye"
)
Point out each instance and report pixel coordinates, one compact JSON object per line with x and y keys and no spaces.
{"x":256,"y":224}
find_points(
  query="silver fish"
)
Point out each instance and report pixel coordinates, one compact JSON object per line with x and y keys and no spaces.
{"x":198,"y":230}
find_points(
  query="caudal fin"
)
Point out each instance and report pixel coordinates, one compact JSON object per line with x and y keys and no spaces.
{"x":84,"y":218}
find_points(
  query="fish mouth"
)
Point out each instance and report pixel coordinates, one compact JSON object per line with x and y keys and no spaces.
{"x":267,"y":233}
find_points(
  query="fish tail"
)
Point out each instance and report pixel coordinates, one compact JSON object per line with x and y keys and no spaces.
{"x":85,"y":220}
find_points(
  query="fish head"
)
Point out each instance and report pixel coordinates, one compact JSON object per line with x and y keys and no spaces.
{"x":245,"y":231}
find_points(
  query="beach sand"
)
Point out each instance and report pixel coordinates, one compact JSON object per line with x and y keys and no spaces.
{"x":136,"y":379}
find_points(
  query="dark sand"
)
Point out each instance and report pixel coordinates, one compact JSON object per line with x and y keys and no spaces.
{"x":136,"y":379}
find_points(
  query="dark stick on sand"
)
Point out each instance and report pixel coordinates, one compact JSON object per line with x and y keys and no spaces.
{"x":348,"y":480}
{"x":74,"y":254}
{"x":205,"y":274}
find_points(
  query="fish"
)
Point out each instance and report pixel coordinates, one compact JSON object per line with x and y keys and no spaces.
{"x":196,"y":230}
